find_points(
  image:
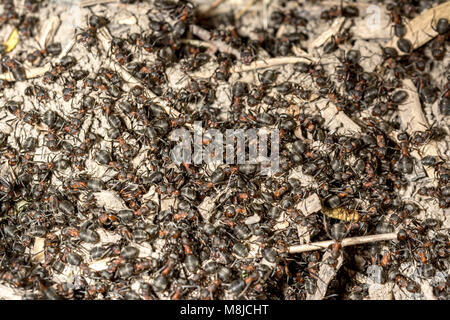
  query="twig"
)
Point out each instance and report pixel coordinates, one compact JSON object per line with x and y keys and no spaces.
{"x":265,"y":8}
{"x":244,"y":10}
{"x":310,"y":205}
{"x":29,"y":73}
{"x":260,"y":64}
{"x":420,"y":29}
{"x":89,"y":3}
{"x":220,"y":45}
{"x":344,"y":243}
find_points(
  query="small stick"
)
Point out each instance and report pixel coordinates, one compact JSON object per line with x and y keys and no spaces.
{"x":244,"y":10}
{"x":260,"y":64}
{"x":344,"y":243}
{"x":89,"y":3}
{"x":220,"y":45}
{"x":326,"y":274}
{"x":199,"y":43}
{"x":360,"y":5}
{"x":420,"y":29}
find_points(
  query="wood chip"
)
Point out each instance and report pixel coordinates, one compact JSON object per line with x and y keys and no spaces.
{"x":281,"y":225}
{"x":299,"y":52}
{"x":413,"y":119}
{"x":254,"y":248}
{"x":110,"y":200}
{"x":427,"y":290}
{"x":436,"y":113}
{"x":151,"y":195}
{"x":145,"y":249}
{"x":48,"y":31}
{"x":369,"y":49}
{"x":37,"y":251}
{"x":303,"y":234}
{"x":326,"y":274}
{"x":168,"y":203}
{"x":199,"y":43}
{"x":66,"y":49}
{"x":29,"y":73}
{"x":204,"y":12}
{"x":420,"y":29}
{"x":128,"y":21}
{"x":108,"y":236}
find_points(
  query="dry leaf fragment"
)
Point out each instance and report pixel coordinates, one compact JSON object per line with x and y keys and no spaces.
{"x":12,"y":41}
{"x":48,"y":31}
